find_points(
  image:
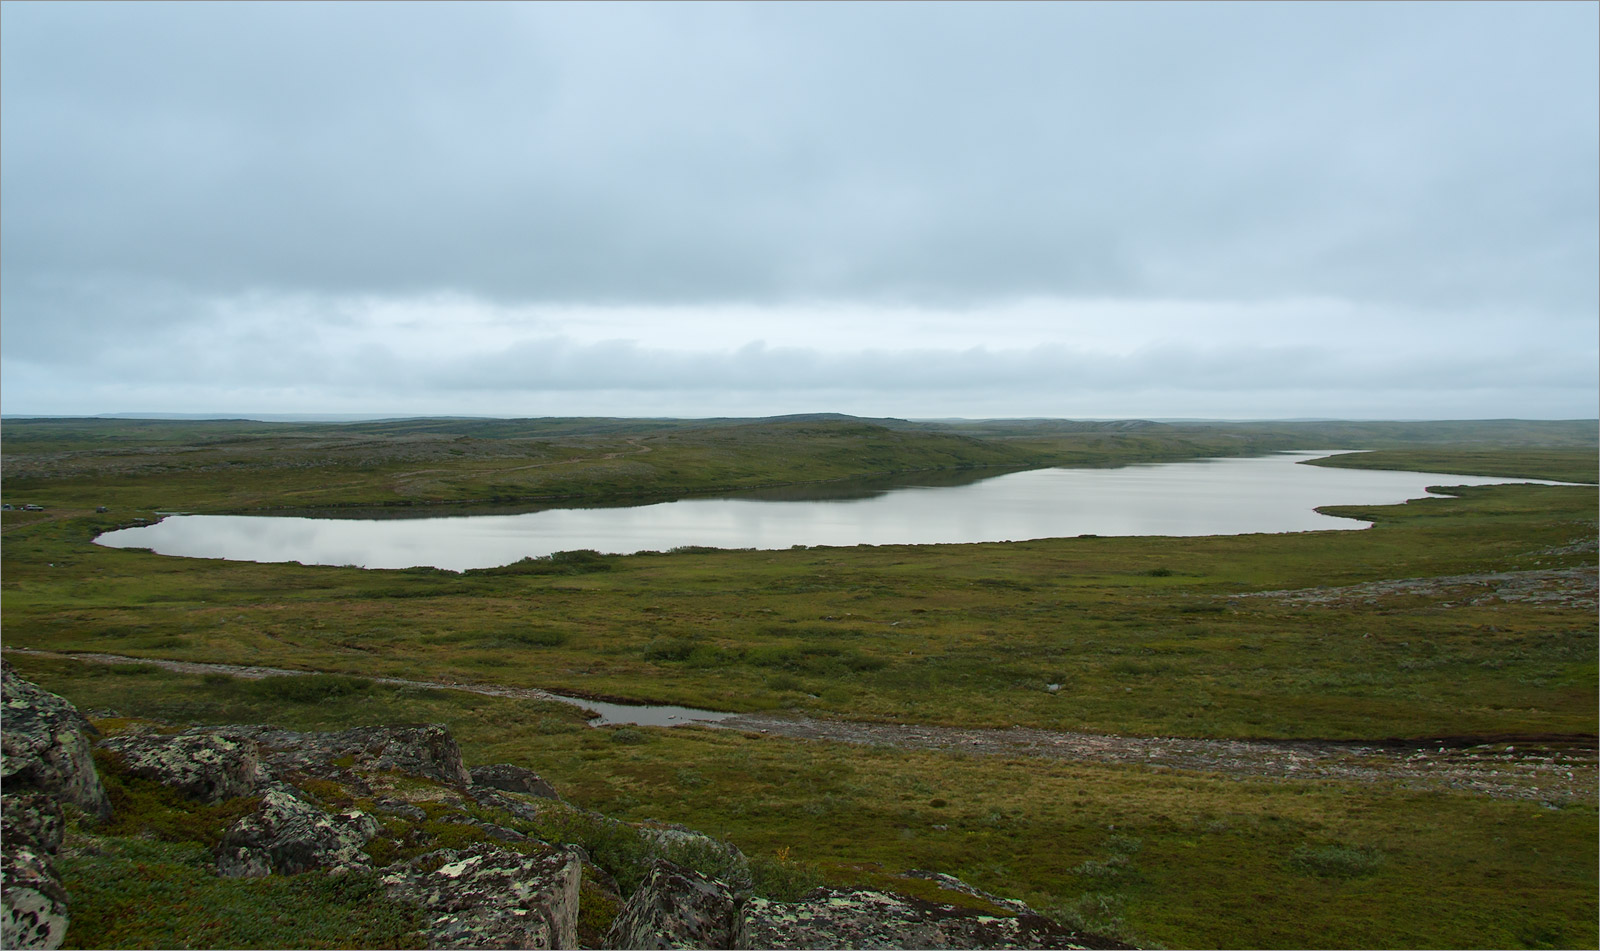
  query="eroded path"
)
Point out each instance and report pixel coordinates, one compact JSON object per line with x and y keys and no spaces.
{"x":1550,"y":770}
{"x":1541,"y":770}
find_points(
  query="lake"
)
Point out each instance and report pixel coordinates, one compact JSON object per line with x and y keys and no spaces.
{"x":1231,"y":496}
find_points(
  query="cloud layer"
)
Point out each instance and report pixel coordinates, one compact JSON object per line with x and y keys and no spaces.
{"x":1084,"y":209}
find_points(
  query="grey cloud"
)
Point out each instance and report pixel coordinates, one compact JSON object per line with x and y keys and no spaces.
{"x":315,"y":355}
{"x":1436,"y":153}
{"x":561,"y":365}
{"x":292,"y":355}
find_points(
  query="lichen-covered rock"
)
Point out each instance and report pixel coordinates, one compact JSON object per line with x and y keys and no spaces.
{"x":33,"y":905}
{"x":44,"y":746}
{"x":33,"y":819}
{"x":509,"y":802}
{"x":830,"y":918}
{"x":287,"y":835}
{"x":686,"y":846}
{"x":401,"y":808}
{"x":428,"y":751}
{"x":509,"y":778}
{"x":677,"y":907}
{"x":201,"y":765}
{"x":488,"y":897}
{"x":953,"y":884}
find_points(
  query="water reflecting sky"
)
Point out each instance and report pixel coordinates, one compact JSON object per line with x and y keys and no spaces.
{"x":1207,"y":497}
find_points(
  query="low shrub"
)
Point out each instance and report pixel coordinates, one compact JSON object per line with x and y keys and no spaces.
{"x":782,"y":879}
{"x":582,"y":561}
{"x":597,"y":909}
{"x":114,"y":887}
{"x":1336,"y":861}
{"x":669,"y":648}
{"x":538,"y":637}
{"x":140,"y":807}
{"x":309,"y":688}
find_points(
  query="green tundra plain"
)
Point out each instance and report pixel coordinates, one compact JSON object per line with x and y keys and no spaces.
{"x":1489,"y":644}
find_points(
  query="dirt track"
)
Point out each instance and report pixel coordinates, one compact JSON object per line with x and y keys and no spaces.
{"x":1552,"y":770}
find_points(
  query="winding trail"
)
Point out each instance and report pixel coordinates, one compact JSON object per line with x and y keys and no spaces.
{"x":1551,"y":770}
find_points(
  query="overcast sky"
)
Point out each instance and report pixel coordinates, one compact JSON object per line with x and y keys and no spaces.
{"x":922,"y":210}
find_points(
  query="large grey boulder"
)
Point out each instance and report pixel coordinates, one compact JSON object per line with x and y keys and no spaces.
{"x":287,"y":835}
{"x":44,"y":746}
{"x":677,"y":907}
{"x":201,"y":765}
{"x":829,"y":918}
{"x":530,"y":809}
{"x":32,"y":818}
{"x":509,"y":778}
{"x":428,"y":751}
{"x":33,"y":905}
{"x":489,"y":897}
{"x":45,"y":760}
{"x":688,"y":847}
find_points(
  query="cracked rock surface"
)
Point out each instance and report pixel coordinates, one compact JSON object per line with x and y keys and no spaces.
{"x":46,"y":746}
{"x":488,"y":897}
{"x":830,"y":918}
{"x":288,"y":835}
{"x":201,"y":765}
{"x":677,"y":907}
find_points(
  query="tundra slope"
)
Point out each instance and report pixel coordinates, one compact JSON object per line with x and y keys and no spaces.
{"x":1548,"y":768}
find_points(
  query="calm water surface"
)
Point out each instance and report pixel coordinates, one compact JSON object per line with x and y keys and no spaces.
{"x":1206,"y":497}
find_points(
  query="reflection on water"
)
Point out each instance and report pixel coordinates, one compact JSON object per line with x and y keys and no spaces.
{"x":1207,"y":497}
{"x":642,"y":715}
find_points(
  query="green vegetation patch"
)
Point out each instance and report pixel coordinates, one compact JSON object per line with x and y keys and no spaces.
{"x":142,"y":807}
{"x":113,"y":888}
{"x":1336,"y":861}
{"x":1560,"y":465}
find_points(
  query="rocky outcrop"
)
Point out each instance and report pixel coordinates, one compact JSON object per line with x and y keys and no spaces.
{"x":677,"y":907}
{"x":680,"y":908}
{"x":509,"y":778}
{"x":489,"y":897}
{"x":33,"y":905}
{"x":506,"y":802}
{"x":454,"y":848}
{"x":44,"y":746}
{"x":288,"y":835}
{"x":201,"y":765}
{"x":45,"y":760}
{"x":830,"y":918}
{"x":33,"y":818}
{"x":428,"y":751}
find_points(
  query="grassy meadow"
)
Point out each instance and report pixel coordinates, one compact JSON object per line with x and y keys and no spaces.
{"x":1145,"y":636}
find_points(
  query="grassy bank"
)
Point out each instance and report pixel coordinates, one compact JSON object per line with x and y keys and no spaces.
{"x":1559,"y":465}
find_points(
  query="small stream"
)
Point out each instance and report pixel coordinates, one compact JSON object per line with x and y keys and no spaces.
{"x":605,"y":713}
